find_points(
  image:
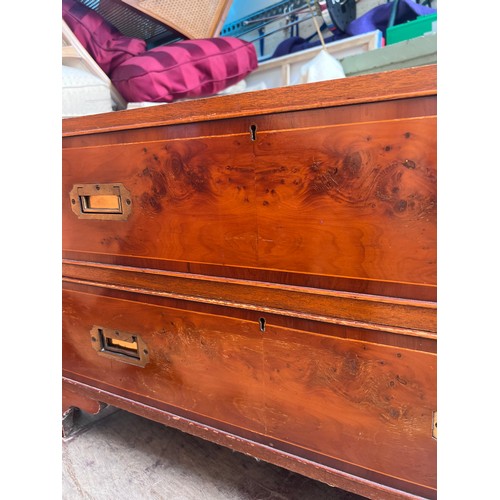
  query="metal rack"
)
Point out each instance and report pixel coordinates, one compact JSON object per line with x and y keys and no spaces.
{"x":264,"y":17}
{"x":260,"y":19}
{"x":334,"y":14}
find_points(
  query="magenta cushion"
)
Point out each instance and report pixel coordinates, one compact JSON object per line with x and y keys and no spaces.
{"x":186,"y":69}
{"x":107,"y":46}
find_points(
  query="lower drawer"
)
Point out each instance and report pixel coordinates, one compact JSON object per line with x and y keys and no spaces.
{"x":362,"y":407}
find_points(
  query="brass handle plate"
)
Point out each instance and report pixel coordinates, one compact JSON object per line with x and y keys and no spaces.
{"x":119,"y":345}
{"x":101,"y":201}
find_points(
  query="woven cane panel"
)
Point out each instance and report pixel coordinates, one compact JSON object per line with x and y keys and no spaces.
{"x":199,"y":19}
{"x":131,"y":22}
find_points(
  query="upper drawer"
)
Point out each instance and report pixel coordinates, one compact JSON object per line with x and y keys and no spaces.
{"x":352,"y":200}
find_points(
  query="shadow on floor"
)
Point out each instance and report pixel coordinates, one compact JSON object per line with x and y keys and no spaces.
{"x":124,"y":456}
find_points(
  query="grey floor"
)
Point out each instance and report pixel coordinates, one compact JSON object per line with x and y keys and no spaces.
{"x":123,"y":456}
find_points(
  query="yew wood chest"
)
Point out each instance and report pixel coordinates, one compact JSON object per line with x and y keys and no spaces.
{"x":260,"y":270}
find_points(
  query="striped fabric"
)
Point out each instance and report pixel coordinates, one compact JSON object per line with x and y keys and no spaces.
{"x":107,"y":46}
{"x":186,"y":69}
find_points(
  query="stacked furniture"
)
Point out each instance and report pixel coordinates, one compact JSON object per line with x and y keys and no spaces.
{"x":260,"y":270}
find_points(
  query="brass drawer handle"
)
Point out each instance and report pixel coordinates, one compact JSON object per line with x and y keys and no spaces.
{"x":101,"y":201}
{"x":120,"y":346}
{"x":108,"y":203}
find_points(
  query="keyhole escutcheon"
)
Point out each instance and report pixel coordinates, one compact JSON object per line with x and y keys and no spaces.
{"x":253,"y":132}
{"x":262,"y":324}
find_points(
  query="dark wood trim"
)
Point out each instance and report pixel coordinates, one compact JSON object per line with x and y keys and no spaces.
{"x":401,"y":316}
{"x":421,"y":292}
{"x":422,"y":344}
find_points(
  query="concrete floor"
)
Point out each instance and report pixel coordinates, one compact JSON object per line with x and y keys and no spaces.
{"x":123,"y":456}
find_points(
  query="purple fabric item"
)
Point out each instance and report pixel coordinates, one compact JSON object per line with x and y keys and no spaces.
{"x":378,"y":17}
{"x":187,"y":69}
{"x":296,"y":44}
{"x":375,"y":19}
{"x":107,"y":46}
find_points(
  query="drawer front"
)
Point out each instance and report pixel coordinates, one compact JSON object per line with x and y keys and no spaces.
{"x":347,"y":403}
{"x":353,"y":201}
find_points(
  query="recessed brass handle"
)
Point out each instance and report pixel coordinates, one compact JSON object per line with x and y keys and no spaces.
{"x":108,"y":203}
{"x":119,"y":345}
{"x":101,"y":201}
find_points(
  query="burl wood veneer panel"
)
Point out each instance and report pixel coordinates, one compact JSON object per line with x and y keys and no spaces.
{"x":356,"y":200}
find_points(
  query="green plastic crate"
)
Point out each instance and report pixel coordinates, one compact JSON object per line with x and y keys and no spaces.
{"x":411,"y":29}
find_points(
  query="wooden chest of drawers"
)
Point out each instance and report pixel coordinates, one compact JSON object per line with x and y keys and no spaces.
{"x":260,"y":270}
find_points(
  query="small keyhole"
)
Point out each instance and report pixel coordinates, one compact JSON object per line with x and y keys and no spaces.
{"x":253,"y":132}
{"x":262,"y":324}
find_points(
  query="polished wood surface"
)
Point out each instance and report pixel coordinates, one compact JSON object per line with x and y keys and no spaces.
{"x":279,"y":262}
{"x":400,"y":316}
{"x":305,"y":201}
{"x":355,"y":201}
{"x":331,"y":476}
{"x":342,"y":402}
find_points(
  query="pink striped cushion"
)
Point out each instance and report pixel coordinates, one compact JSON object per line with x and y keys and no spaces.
{"x":107,"y":46}
{"x":186,"y":69}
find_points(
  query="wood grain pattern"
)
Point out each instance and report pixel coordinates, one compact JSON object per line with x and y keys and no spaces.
{"x":348,"y":400}
{"x":358,"y":401}
{"x":185,"y":200}
{"x":404,"y":317}
{"x":411,"y":291}
{"x":404,"y":338}
{"x":190,"y":355}
{"x":369,"y":488}
{"x":356,"y":200}
{"x":279,"y":262}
